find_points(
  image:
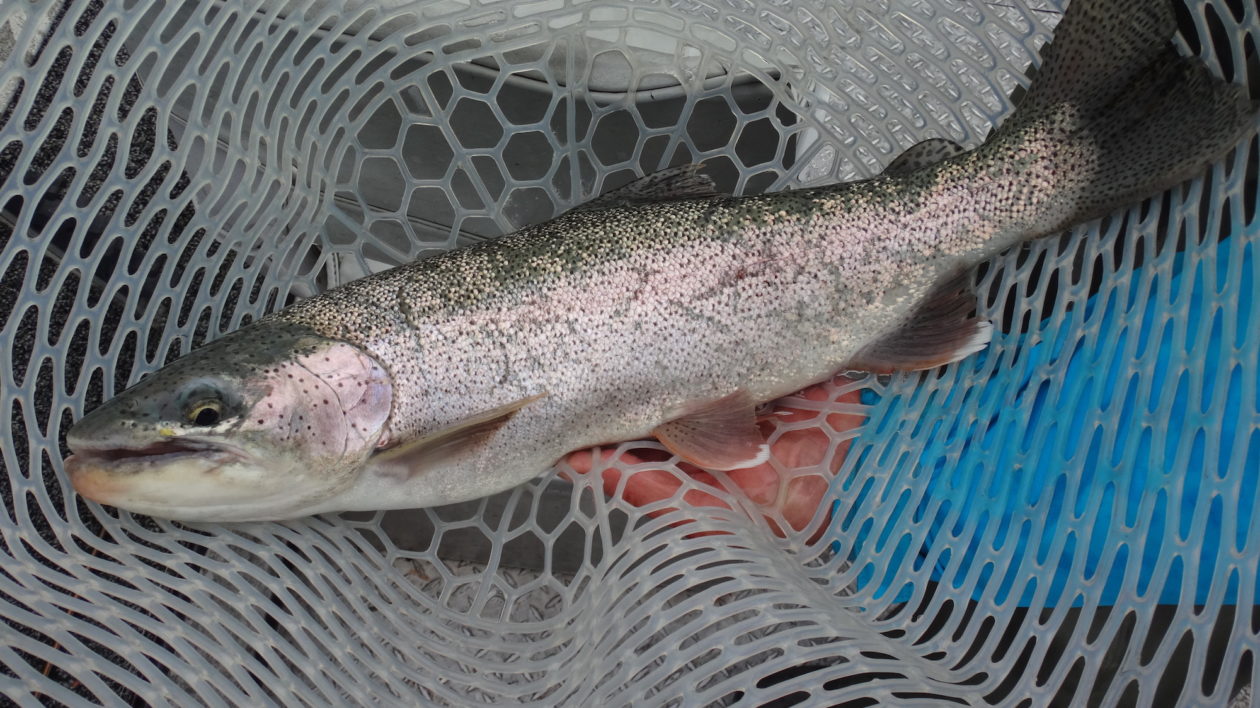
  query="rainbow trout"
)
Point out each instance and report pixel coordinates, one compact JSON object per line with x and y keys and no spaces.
{"x":660,"y":309}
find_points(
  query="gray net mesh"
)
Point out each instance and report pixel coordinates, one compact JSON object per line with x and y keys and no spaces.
{"x":171,"y":171}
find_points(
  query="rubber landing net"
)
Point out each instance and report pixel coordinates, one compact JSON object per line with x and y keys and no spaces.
{"x":1069,"y":516}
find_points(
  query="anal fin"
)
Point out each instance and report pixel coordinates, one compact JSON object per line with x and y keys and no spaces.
{"x":941,"y":331}
{"x":719,"y":435}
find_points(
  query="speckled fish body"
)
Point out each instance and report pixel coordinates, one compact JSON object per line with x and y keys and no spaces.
{"x":609,"y":322}
{"x":626,"y":317}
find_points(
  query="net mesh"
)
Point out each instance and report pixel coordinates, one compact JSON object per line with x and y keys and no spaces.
{"x":1068,"y":516}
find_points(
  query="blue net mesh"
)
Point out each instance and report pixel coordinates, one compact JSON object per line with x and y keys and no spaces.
{"x":1102,"y":456}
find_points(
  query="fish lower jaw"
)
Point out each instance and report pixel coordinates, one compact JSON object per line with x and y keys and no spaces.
{"x":185,"y":486}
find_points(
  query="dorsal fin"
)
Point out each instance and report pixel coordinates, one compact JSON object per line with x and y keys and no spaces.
{"x":670,"y":184}
{"x":941,"y":331}
{"x":920,"y":155}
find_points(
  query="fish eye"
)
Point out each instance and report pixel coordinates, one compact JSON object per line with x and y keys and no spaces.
{"x":205,"y":413}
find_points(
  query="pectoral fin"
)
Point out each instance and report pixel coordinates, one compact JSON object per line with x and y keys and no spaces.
{"x":412,"y":456}
{"x":721,"y":435}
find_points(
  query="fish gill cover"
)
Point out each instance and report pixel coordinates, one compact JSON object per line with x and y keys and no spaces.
{"x":1069,"y":516}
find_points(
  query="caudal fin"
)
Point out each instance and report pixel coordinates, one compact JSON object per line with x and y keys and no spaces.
{"x":1115,"y":114}
{"x":1098,"y":47}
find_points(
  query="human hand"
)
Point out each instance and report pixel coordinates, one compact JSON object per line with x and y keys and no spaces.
{"x":790,"y":486}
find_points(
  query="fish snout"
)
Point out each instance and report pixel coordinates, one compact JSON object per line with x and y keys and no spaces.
{"x":91,"y":481}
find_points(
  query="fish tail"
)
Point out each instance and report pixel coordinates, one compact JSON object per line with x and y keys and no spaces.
{"x":1113,"y":115}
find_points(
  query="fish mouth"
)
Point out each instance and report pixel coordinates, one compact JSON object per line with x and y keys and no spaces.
{"x":159,"y":478}
{"x":105,"y":471}
{"x":105,"y":455}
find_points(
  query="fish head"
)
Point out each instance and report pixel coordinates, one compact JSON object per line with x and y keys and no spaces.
{"x":260,"y":424}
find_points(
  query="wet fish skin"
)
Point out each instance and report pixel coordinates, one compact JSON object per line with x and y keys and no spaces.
{"x":606,"y":323}
{"x":628,"y":331}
